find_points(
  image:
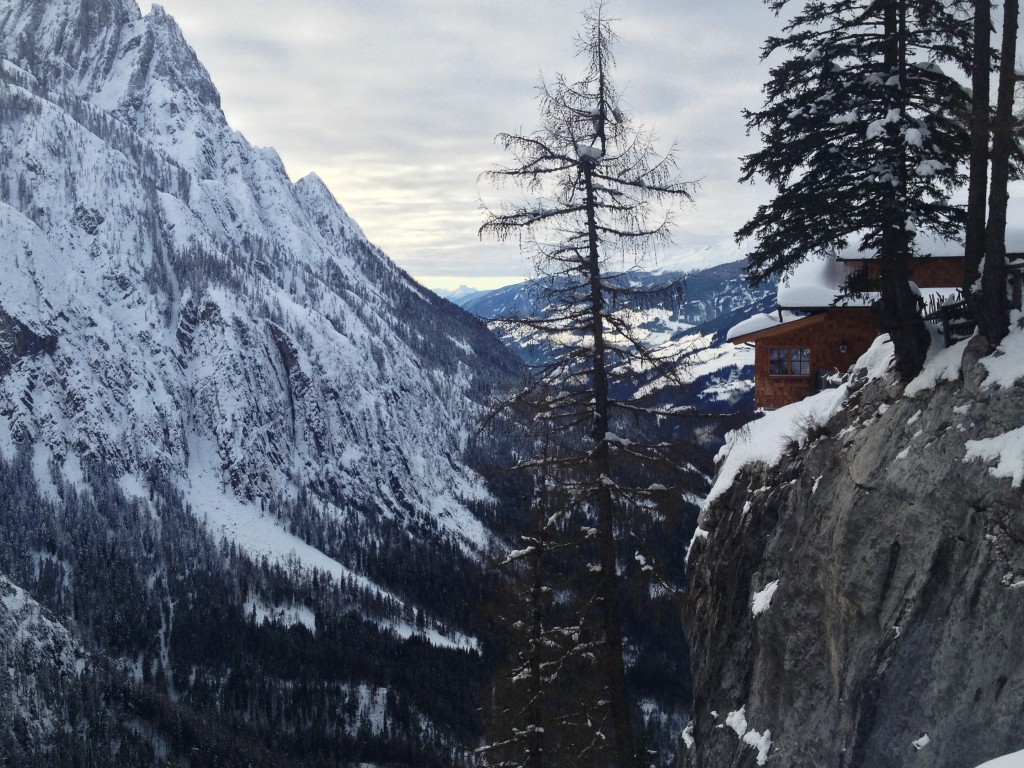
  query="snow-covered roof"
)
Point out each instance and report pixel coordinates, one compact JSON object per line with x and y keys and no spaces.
{"x":927,"y":245}
{"x":934,"y":247}
{"x":818,"y":283}
{"x":762,"y":322}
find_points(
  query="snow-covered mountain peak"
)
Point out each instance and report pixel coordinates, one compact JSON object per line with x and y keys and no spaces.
{"x":139,"y":68}
{"x":321,"y":206}
{"x":173,"y":304}
{"x":70,"y":41}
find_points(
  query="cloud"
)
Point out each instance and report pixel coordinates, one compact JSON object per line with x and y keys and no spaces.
{"x":395,"y":103}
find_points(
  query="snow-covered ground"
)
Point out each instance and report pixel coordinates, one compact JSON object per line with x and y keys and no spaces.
{"x":766,"y":439}
{"x":1013,"y":760}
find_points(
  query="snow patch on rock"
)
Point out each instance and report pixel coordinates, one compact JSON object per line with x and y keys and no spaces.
{"x":1012,"y":760}
{"x":1006,"y":451}
{"x":766,"y":439}
{"x":762,"y":600}
{"x":762,"y":742}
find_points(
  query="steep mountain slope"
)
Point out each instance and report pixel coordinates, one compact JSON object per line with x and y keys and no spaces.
{"x":855,"y":588}
{"x":187,"y":335}
{"x":242,"y":325}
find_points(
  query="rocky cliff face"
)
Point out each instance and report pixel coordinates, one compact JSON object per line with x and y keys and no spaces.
{"x":859,"y":602}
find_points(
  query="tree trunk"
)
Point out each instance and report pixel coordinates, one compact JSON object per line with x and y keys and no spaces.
{"x":977,"y":190}
{"x":611,"y":611}
{"x":900,"y":314}
{"x":993,"y":309}
{"x":900,"y":317}
{"x":534,"y":742}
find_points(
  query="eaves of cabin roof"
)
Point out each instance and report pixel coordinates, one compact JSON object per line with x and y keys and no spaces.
{"x":781,"y":328}
{"x":866,"y":301}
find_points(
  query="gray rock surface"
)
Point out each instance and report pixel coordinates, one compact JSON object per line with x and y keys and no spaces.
{"x":899,"y":609}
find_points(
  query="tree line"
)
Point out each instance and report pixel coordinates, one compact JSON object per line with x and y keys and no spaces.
{"x":176,"y":657}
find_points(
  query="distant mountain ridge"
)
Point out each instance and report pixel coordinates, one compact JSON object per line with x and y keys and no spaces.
{"x":706,"y":293}
{"x":273,"y":415}
{"x":693,"y":320}
{"x":457,"y":295}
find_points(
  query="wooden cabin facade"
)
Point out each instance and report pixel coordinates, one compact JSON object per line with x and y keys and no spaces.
{"x":794,"y":354}
{"x":925,"y":271}
{"x":791,"y":359}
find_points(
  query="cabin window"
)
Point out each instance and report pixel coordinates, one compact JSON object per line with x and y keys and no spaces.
{"x":790,"y":361}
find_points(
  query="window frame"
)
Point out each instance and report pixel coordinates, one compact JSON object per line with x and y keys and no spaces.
{"x":796,"y":362}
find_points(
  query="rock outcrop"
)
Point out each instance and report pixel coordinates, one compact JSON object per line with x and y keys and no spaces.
{"x":860,"y":602}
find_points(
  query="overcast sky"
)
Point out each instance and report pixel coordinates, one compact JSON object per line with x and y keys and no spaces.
{"x":395,"y":104}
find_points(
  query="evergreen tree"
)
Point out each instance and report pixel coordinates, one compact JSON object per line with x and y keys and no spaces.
{"x":864,"y":139}
{"x":598,"y":198}
{"x":977,"y":190}
{"x":992,"y":308}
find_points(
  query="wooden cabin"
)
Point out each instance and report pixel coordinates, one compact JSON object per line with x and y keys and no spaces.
{"x":792,"y":359}
{"x":925,"y":271}
{"x":815,"y":332}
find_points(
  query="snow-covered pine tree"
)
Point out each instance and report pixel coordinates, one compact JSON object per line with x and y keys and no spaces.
{"x":864,"y":138}
{"x":598,"y":198}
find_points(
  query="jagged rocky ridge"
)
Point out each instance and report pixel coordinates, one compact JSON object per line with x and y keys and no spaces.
{"x":858,"y":602}
{"x":220,"y":404}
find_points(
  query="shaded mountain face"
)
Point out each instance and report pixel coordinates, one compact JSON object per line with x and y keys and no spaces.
{"x":183,"y":327}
